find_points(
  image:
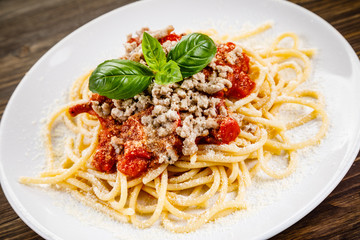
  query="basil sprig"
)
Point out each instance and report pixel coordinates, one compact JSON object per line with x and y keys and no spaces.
{"x":120,"y":79}
{"x":153,"y":52}
{"x":165,"y":72}
{"x":169,"y":73}
{"x":123,"y":79}
{"x":194,"y":52}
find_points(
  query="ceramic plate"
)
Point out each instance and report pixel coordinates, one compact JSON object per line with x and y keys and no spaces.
{"x":336,"y":70}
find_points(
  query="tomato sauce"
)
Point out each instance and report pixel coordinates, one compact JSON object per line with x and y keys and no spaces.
{"x":242,"y":85}
{"x":170,"y":37}
{"x":135,"y":40}
{"x":228,"y":131}
{"x":135,"y":158}
{"x":105,"y":157}
{"x":81,"y":108}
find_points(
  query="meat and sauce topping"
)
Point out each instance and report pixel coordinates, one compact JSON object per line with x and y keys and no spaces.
{"x":168,"y":121}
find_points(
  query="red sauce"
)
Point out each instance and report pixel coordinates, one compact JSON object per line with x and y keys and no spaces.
{"x":171,"y":37}
{"x":135,"y":40}
{"x":228,"y":131}
{"x":87,"y":108}
{"x":242,"y":85}
{"x":135,"y":158}
{"x":81,"y":108}
{"x":207,"y":71}
{"x":105,"y":157}
{"x":133,"y":166}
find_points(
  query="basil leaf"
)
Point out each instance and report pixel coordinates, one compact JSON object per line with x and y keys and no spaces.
{"x":170,"y":73}
{"x":153,"y":52}
{"x":192,"y":53}
{"x":120,"y":79}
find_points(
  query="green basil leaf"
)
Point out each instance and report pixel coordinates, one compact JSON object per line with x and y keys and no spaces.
{"x":170,"y":73}
{"x":153,"y":52}
{"x":192,"y":53}
{"x":120,"y":79}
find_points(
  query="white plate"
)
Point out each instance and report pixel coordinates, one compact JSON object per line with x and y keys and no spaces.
{"x":337,"y":69}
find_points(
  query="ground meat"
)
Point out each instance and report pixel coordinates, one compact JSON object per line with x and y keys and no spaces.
{"x":168,"y":45}
{"x":196,"y":110}
{"x":125,"y":108}
{"x":102,"y":110}
{"x":191,"y":129}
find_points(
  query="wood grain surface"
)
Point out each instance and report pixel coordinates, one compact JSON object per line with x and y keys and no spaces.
{"x":29,"y":28}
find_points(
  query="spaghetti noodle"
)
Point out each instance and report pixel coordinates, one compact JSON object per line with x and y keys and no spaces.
{"x":194,"y":189}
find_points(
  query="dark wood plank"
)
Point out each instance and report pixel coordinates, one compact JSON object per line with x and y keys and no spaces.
{"x":29,"y":28}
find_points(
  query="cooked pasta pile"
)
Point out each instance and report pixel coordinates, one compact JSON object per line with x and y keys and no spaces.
{"x":195,"y":189}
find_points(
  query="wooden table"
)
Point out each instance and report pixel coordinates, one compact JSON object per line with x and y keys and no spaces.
{"x":30,"y":28}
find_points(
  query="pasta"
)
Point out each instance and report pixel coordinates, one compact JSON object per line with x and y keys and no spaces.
{"x":194,"y":190}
